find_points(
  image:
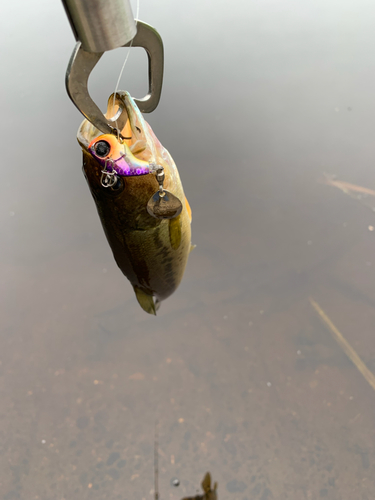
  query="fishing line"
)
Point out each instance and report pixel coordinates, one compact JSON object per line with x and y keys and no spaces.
{"x":122,"y":71}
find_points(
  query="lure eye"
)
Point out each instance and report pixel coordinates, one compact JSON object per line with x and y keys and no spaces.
{"x":102,"y":148}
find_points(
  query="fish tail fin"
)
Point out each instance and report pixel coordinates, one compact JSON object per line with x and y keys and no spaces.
{"x":146,"y":301}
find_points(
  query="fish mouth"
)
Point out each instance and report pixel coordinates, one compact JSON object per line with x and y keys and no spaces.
{"x":128,"y":125}
{"x":126,"y":119}
{"x":139,"y":152}
{"x":131,"y":149}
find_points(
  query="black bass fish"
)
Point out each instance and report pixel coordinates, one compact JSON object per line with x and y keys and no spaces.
{"x":150,"y":244}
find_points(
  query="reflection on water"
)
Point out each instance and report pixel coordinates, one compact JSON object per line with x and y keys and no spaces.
{"x":244,"y":378}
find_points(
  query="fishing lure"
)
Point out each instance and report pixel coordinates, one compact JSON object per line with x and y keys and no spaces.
{"x":140,"y":200}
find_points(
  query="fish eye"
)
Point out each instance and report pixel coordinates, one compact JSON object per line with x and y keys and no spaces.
{"x":102,"y":148}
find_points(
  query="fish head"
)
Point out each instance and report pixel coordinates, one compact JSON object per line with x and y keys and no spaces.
{"x":135,"y":151}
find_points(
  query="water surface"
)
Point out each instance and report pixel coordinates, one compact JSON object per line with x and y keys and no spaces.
{"x":259,"y":101}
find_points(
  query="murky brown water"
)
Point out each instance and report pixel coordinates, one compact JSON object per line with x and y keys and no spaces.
{"x":260,"y":100}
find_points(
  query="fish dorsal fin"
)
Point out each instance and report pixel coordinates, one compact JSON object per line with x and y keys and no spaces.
{"x":145,"y":300}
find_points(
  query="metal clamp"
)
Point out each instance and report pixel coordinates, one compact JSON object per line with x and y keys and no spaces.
{"x":82,"y":63}
{"x":101,"y":25}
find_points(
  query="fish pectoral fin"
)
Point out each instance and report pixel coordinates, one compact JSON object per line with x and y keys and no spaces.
{"x":145,"y":300}
{"x":192,"y":248}
{"x":138,"y":147}
{"x":157,"y":304}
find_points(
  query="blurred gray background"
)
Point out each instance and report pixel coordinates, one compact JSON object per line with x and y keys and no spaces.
{"x":260,"y":101}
